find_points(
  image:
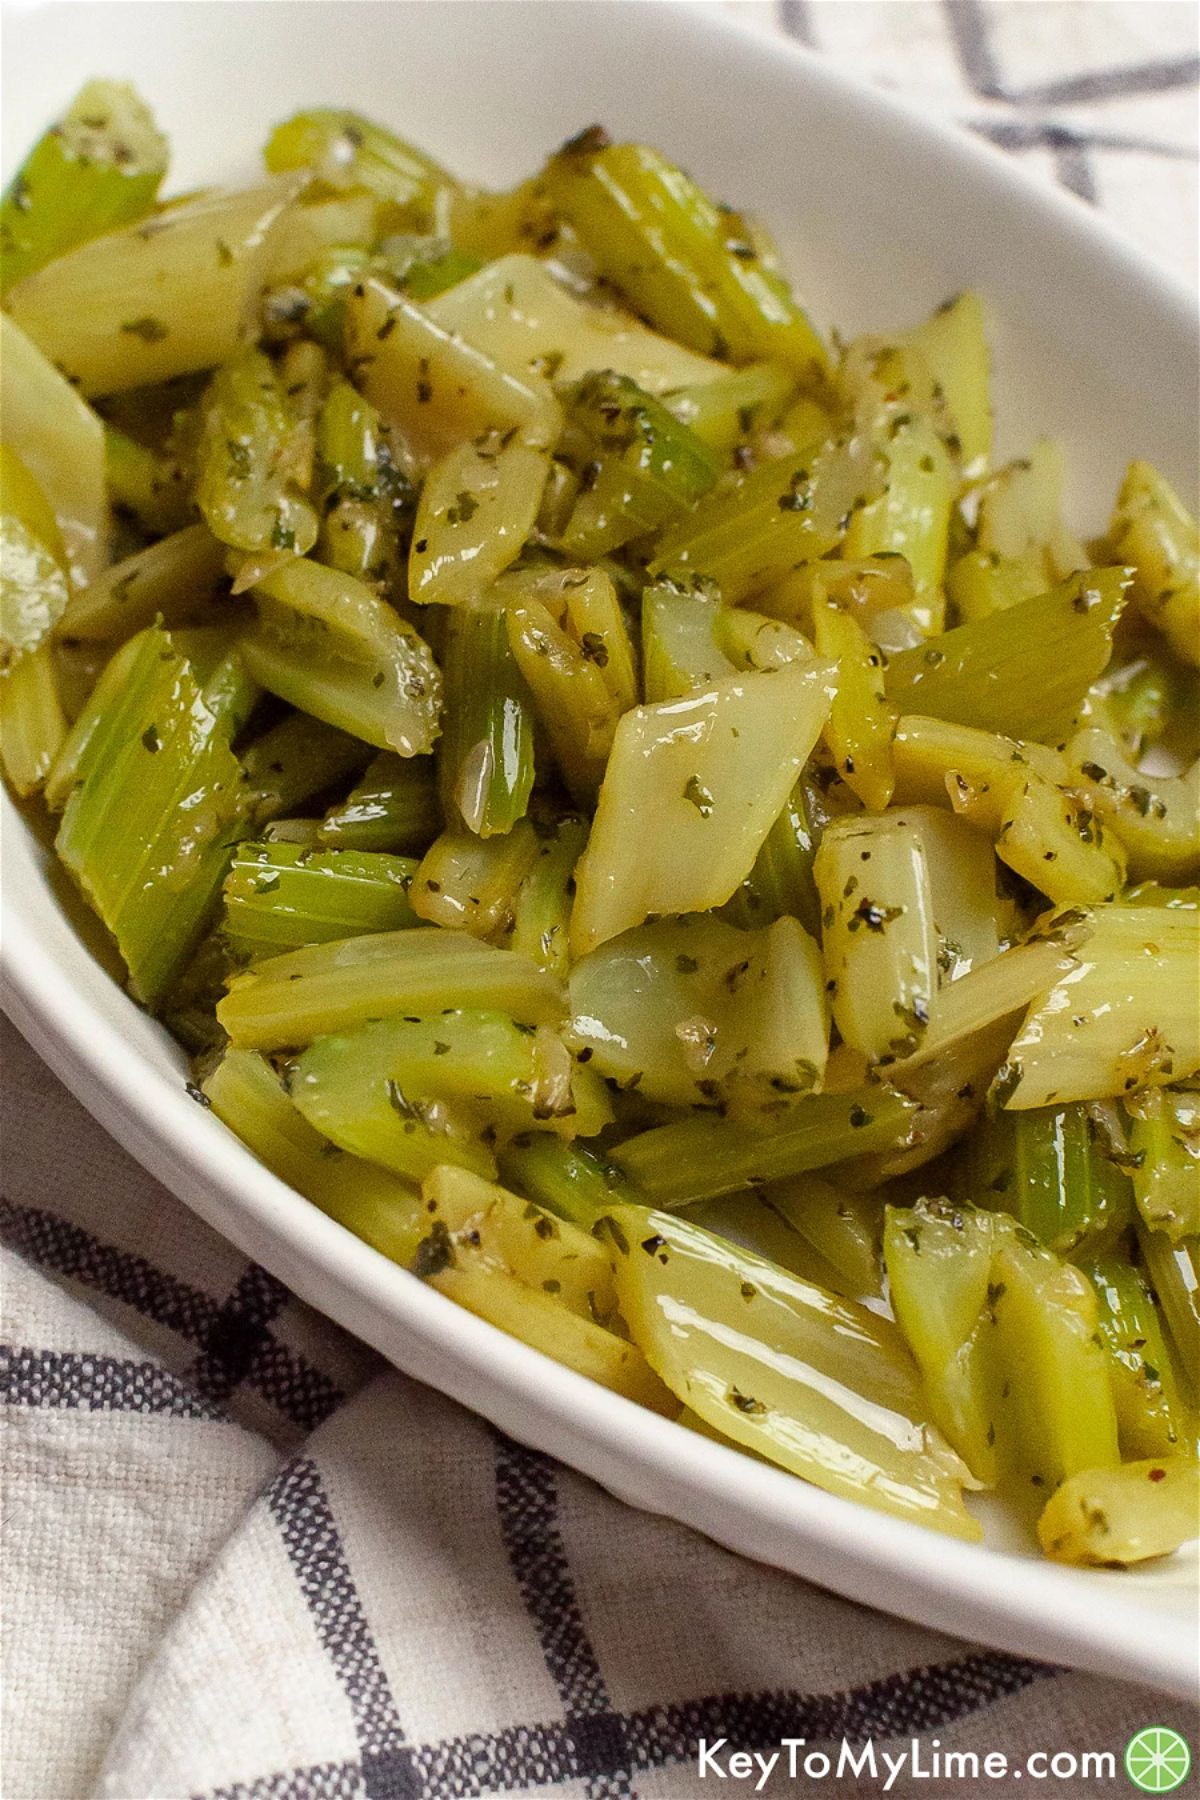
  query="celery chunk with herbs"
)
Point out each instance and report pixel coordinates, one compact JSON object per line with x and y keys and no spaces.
{"x":542,"y":908}
{"x":175,"y":580}
{"x":700,"y":1158}
{"x":1151,"y":1420}
{"x":1164,"y":1135}
{"x":294,"y":998}
{"x":156,"y":805}
{"x":33,"y":726}
{"x":252,"y":462}
{"x":1152,"y":529}
{"x":280,"y":897}
{"x":344,"y":150}
{"x":392,"y":806}
{"x":810,"y":1381}
{"x":686,"y":264}
{"x":485,"y":754}
{"x":1024,"y":672}
{"x":1111,"y":1518}
{"x":34,"y":587}
{"x":639,"y":467}
{"x":98,"y":168}
{"x":295,"y":760}
{"x":60,"y":441}
{"x":246,"y":1094}
{"x":1052,"y":1168}
{"x":567,"y":1179}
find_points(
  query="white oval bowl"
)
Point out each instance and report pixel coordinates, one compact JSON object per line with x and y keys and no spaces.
{"x":881,"y":215}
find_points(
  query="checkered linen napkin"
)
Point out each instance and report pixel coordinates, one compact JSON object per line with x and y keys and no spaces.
{"x":243,"y":1559}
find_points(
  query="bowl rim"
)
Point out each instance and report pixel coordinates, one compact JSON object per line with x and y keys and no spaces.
{"x":941,"y":1582}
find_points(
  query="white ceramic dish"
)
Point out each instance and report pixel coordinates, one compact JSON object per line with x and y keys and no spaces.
{"x":882,"y":216}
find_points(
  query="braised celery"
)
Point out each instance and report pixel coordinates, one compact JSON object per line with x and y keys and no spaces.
{"x":1164,"y":1136}
{"x":1151,"y":1419}
{"x":486,"y":750}
{"x":1153,"y":531}
{"x":280,"y":897}
{"x":99,"y":167}
{"x":1110,"y":1518}
{"x":393,"y":806}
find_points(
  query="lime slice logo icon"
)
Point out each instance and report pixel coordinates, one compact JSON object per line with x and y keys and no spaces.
{"x":1157,"y":1759}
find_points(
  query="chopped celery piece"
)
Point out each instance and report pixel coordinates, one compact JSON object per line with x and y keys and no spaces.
{"x":1150,"y":1415}
{"x":478,"y":505}
{"x":683,"y":262}
{"x":34,"y":587}
{"x":566,"y":1179}
{"x":99,"y":167}
{"x":1055,"y":841}
{"x":981,"y":582}
{"x":1152,"y":530}
{"x":1106,"y":1518}
{"x":485,"y":754}
{"x":252,"y":461}
{"x":322,"y":221}
{"x":1024,"y":672}
{"x":1164,"y":1135}
{"x":226,"y":686}
{"x":60,"y":440}
{"x":1020,"y":517}
{"x":486,"y":1226}
{"x":574,"y":702}
{"x":1050,"y":1168}
{"x":879,"y":934}
{"x":954,"y":347}
{"x":796,"y":509}
{"x":540,"y":1320}
{"x":393,"y":806}
{"x":701,"y":781}
{"x":295,"y":760}
{"x":700,"y":1158}
{"x":176,"y":579}
{"x":327,"y":643}
{"x":692,"y":1012}
{"x":751,"y":1222}
{"x":280,"y":897}
{"x":344,"y":150}
{"x":364,"y":497}
{"x":471,"y":883}
{"x":247,"y":1095}
{"x":843,"y":1228}
{"x":1124,"y":1018}
{"x":411,"y":1092}
{"x":808,"y":1380}
{"x":939,"y":1268}
{"x":294,"y":998}
{"x":1156,"y":817}
{"x":639,"y":467}
{"x":781,"y":882}
{"x":680,"y":652}
{"x":433,"y":385}
{"x":934,"y":759}
{"x":962,"y":888}
{"x":723,"y":413}
{"x":149,"y":483}
{"x":861,"y":722}
{"x":1174,"y":1271}
{"x":542,"y":908}
{"x":155,"y":808}
{"x":33,"y":726}
{"x":1060,"y":1414}
{"x":164,"y":298}
{"x":516,"y":312}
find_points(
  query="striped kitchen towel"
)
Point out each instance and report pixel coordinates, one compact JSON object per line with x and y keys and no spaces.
{"x":244,"y":1559}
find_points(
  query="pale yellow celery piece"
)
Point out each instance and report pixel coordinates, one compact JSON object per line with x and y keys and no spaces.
{"x":962,"y":886}
{"x":478,"y":505}
{"x":1125,"y":1017}
{"x":469,"y":883}
{"x":175,"y":579}
{"x":861,"y":721}
{"x":1114,"y":1517}
{"x":699,"y":782}
{"x":810,"y":1381}
{"x":310,"y":226}
{"x":491,"y":1228}
{"x":61,"y":442}
{"x":519,"y":314}
{"x":1156,"y":817}
{"x":538,"y":1319}
{"x":166,"y":297}
{"x":1020,"y":516}
{"x":953,"y":344}
{"x":294,"y":998}
{"x":33,"y":726}
{"x":574,"y":702}
{"x":434,"y":386}
{"x":33,"y":578}
{"x":988,"y":994}
{"x":1152,"y":529}
{"x":692,"y":1011}
{"x":927,"y":752}
{"x":879,"y":935}
{"x":597,"y":624}
{"x":1054,"y":841}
